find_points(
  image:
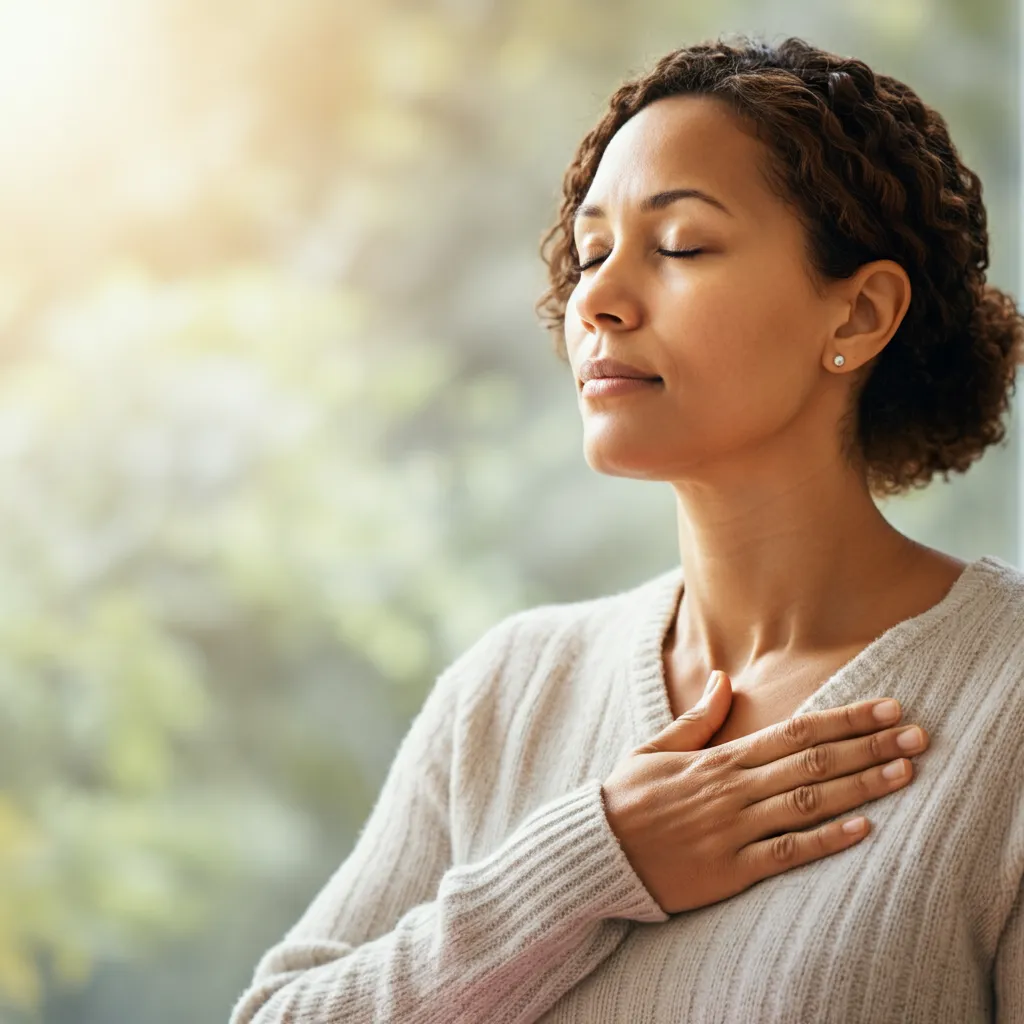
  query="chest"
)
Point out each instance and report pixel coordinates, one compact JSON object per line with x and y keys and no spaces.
{"x":866,"y":937}
{"x":764,"y":698}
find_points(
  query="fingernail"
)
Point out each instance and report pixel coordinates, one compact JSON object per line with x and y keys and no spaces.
{"x":887,"y":711}
{"x":712,"y":683}
{"x":910,"y":739}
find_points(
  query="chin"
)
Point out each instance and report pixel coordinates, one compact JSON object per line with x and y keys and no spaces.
{"x":620,"y":461}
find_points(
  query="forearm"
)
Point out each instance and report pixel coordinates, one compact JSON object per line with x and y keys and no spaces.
{"x":502,"y":941}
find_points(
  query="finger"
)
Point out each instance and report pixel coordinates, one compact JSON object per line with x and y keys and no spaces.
{"x":792,"y":734}
{"x":695,"y":726}
{"x":833,"y":760}
{"x":809,"y":805}
{"x":791,"y":849}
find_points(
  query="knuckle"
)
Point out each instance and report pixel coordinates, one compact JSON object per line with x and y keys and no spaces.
{"x":822,"y":841}
{"x":722,"y":756}
{"x":875,"y":744}
{"x":805,"y":800}
{"x":734,"y":788}
{"x":783,"y":848}
{"x":797,"y":730}
{"x":746,"y":870}
{"x":863,"y":785}
{"x":715,"y":791}
{"x":817,"y":762}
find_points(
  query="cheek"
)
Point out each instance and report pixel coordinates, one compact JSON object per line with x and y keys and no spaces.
{"x":738,"y":342}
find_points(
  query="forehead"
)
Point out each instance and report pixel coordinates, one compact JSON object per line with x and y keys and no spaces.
{"x":684,"y":141}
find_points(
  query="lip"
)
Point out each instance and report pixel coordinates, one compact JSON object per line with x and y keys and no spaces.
{"x":591,"y":369}
{"x":605,"y":387}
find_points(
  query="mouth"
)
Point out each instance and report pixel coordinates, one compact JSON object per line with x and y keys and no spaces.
{"x":601,"y":387}
{"x":623,"y":377}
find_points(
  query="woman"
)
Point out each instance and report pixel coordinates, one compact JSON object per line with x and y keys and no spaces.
{"x":769,"y":276}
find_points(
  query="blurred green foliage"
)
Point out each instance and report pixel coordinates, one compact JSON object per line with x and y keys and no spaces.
{"x":201,"y":527}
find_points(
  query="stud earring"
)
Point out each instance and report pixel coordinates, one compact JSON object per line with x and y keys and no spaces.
{"x":839,"y":360}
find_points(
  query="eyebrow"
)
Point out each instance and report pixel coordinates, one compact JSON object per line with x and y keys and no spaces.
{"x":658,"y":201}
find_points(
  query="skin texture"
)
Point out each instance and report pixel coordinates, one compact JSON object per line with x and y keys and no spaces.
{"x":790,"y":567}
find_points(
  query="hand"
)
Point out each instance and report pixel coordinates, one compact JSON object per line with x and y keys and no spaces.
{"x":701,"y":825}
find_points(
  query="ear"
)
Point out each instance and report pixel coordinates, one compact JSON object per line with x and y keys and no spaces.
{"x":872,"y":303}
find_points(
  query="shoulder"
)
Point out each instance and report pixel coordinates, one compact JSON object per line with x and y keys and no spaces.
{"x":982,"y":633}
{"x":553,"y":637}
{"x":993,"y":608}
{"x":986,"y":649}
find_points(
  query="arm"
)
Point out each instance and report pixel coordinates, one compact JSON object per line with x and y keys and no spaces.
{"x":1008,"y":969}
{"x":399,"y":933}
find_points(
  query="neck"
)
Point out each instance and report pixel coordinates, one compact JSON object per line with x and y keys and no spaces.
{"x":774,"y":570}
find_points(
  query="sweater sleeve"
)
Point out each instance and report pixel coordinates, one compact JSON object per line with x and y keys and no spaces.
{"x":1008,"y":969}
{"x":400,"y":933}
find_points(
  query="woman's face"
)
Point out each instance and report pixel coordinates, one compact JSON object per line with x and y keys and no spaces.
{"x":737,"y":331}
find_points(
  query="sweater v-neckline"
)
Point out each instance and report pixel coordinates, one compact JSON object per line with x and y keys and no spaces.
{"x":649,"y":690}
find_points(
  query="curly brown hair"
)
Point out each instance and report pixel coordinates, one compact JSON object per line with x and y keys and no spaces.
{"x":872,"y":173}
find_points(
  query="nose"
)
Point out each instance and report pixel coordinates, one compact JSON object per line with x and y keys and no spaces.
{"x":604,"y":300}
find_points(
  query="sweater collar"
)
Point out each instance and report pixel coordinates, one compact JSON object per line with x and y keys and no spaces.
{"x":659,"y":601}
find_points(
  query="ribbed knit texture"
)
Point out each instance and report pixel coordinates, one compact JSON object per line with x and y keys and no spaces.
{"x":486,"y":885}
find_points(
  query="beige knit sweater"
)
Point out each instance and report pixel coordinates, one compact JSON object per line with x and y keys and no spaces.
{"x":487,"y":886}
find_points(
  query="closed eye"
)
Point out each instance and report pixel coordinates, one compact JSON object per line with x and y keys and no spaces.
{"x":676,"y":253}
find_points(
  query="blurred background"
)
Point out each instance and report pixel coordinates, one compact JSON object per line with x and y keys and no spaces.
{"x":280,"y":435}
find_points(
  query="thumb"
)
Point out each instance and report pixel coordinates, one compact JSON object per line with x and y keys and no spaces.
{"x":694,"y":727}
